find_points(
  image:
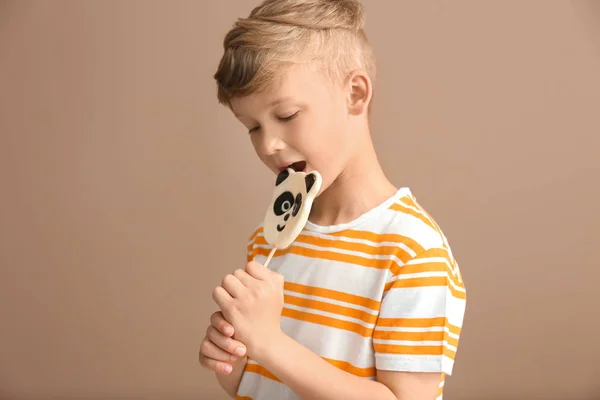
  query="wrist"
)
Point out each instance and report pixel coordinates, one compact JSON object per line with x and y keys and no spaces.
{"x":269,"y":349}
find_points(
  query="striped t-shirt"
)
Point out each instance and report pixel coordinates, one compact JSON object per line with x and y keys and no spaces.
{"x":380,"y":292}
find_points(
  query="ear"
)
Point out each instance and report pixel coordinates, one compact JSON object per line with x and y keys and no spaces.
{"x":310,"y":181}
{"x":283,"y":175}
{"x":360,"y":92}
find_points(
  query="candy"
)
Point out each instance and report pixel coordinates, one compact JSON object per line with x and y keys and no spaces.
{"x":290,"y":207}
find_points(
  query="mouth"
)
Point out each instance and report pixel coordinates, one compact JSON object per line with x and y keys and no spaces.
{"x":297,"y":166}
{"x":280,"y":228}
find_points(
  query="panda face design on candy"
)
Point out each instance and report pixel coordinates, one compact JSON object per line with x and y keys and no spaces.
{"x":290,"y":206}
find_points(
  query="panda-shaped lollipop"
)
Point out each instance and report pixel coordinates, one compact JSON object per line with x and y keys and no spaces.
{"x":289,"y":208}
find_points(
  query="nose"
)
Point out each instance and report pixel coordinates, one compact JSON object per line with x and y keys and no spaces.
{"x":270,"y":142}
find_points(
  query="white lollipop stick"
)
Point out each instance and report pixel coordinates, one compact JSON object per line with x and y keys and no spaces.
{"x":270,"y":256}
{"x":289,"y":208}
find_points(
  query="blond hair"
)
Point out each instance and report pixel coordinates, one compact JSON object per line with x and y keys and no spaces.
{"x":278,"y":33}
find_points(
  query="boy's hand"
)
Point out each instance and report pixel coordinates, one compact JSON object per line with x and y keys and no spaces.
{"x":252,"y":301}
{"x":218,"y":350}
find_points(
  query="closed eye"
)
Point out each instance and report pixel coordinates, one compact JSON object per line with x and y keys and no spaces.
{"x":284,"y":119}
{"x":289,"y":118}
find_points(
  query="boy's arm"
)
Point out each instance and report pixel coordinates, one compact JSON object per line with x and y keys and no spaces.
{"x":311,"y":377}
{"x":231,"y":382}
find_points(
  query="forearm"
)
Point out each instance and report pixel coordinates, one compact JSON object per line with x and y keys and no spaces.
{"x":231,"y":382}
{"x":313,"y":378}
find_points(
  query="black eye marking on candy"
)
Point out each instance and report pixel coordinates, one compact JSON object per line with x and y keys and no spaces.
{"x":297,"y":204}
{"x":283,"y":203}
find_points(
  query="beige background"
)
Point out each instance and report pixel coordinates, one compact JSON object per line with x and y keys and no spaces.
{"x":127,"y":192}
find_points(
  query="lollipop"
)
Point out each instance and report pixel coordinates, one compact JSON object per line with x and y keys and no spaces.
{"x":289,"y":208}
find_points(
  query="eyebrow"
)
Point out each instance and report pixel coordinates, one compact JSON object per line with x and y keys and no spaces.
{"x":280,"y":100}
{"x":272,"y":103}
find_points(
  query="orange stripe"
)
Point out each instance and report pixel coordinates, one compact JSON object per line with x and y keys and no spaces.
{"x":449,"y":353}
{"x":332,"y":308}
{"x":453,"y":328}
{"x":435,"y":266}
{"x":333,"y":295}
{"x":243,"y":398}
{"x":441,"y":388}
{"x":256,"y":232}
{"x":426,"y":282}
{"x":452,"y":341}
{"x":260,"y":370}
{"x":414,"y":336}
{"x":412,"y":350}
{"x":330,"y":255}
{"x":440,"y":322}
{"x":412,"y":322}
{"x":352,"y":369}
{"x":406,"y":210}
{"x":327,"y":321}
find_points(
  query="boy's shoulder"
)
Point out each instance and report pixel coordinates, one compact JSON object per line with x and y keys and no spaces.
{"x":403,"y":221}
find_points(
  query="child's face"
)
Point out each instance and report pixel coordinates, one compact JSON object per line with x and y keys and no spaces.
{"x":304,"y":117}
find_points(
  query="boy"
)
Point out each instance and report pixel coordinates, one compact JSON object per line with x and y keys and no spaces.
{"x":368,"y":302}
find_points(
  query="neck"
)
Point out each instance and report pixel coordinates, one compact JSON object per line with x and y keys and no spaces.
{"x":360,"y":187}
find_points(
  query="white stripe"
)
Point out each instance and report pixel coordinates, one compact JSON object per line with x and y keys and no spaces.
{"x":331,"y":301}
{"x":419,"y":302}
{"x":419,"y":330}
{"x":419,"y":275}
{"x":329,"y":314}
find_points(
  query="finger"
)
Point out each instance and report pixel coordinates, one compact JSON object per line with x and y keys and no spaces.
{"x":258,"y":271}
{"x":233,"y":286}
{"x":243,"y":277}
{"x":222,"y":297}
{"x":208,"y":349}
{"x":230,"y":345}
{"x":214,"y":365}
{"x":218,"y":321}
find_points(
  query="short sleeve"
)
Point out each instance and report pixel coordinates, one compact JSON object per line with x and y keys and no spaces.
{"x":421,"y":315}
